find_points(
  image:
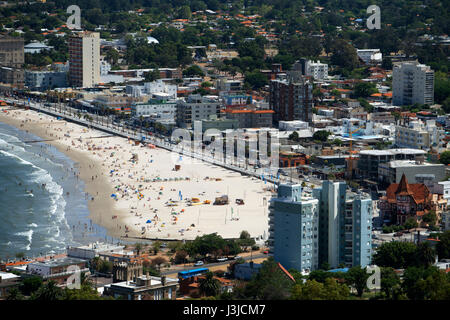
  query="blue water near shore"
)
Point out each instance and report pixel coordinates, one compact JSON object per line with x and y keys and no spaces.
{"x":43,"y":207}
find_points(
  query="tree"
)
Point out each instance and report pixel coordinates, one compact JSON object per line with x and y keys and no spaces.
{"x":321,"y":135}
{"x":410,"y":223}
{"x":268,"y":284}
{"x":314,"y":290}
{"x":152,"y":75}
{"x":443,"y":246}
{"x":30,"y":285}
{"x":209,"y":286}
{"x":430,"y":218}
{"x":245,"y":240}
{"x":48,"y":292}
{"x":390,"y":281}
{"x":180,"y":256}
{"x":294,"y":136}
{"x":156,"y":246}
{"x":445,"y":157}
{"x":15,"y":294}
{"x":193,"y":70}
{"x":174,"y":246}
{"x":425,"y":254}
{"x":396,"y":255}
{"x":138,"y":248}
{"x":207,"y":244}
{"x":255,"y":79}
{"x":358,"y":276}
{"x":158,"y":261}
{"x":311,"y":290}
{"x":364,"y":89}
{"x":344,"y":55}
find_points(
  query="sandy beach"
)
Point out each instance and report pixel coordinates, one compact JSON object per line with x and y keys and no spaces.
{"x":137,"y":193}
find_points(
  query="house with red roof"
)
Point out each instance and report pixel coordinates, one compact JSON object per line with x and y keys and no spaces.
{"x":407,"y":200}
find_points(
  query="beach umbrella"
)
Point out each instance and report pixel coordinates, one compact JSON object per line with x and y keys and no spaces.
{"x":149,"y":221}
{"x":113,"y":195}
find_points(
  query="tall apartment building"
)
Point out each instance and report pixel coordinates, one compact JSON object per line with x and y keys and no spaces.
{"x":412,"y":83}
{"x":316,"y":69}
{"x":369,"y":160}
{"x":248,"y":118}
{"x":420,"y":135}
{"x":84,"y":57}
{"x":291,"y":97}
{"x":345,"y":226}
{"x":293,"y":229}
{"x":12,"y":58}
{"x":196,"y":108}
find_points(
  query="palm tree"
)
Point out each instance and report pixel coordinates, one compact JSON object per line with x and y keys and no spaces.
{"x":138,"y":248}
{"x":209,"y":286}
{"x":48,"y":292}
{"x":14,"y":294}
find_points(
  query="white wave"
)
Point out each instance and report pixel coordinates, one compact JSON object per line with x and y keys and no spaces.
{"x":10,"y":137}
{"x":29,"y":236}
{"x":33,"y":225}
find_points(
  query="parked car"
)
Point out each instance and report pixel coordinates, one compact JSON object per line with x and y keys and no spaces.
{"x":266,"y":252}
{"x":199,"y":263}
{"x":237,"y":257}
{"x":222,"y":259}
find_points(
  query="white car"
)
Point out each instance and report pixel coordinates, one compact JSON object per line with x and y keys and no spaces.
{"x":222,"y":259}
{"x":199,"y":263}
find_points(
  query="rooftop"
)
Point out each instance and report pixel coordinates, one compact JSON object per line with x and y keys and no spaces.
{"x":391,"y":152}
{"x":59,"y":262}
{"x":411,"y":163}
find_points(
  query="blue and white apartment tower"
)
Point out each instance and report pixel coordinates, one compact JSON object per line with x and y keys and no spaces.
{"x":345,"y":226}
{"x":361,"y":220}
{"x":293,"y":229}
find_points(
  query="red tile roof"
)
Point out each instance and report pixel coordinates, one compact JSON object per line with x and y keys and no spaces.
{"x":286,"y":272}
{"x":418,"y":191}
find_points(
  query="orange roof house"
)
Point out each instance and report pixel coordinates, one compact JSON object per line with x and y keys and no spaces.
{"x":404,"y":200}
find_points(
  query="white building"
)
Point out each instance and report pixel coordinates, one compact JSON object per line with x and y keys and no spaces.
{"x":158,"y":88}
{"x":196,"y":108}
{"x":370,"y":56}
{"x":156,"y":109}
{"x":92,"y":250}
{"x":292,"y":125}
{"x":318,"y":70}
{"x":105,"y":67}
{"x":36,"y":47}
{"x":419,"y":135}
{"x":412,"y":83}
{"x":445,"y":188}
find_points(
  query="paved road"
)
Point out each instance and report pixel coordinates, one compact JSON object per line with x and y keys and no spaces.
{"x":215,"y":264}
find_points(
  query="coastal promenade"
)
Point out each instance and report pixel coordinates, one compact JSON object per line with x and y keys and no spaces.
{"x":68,"y":114}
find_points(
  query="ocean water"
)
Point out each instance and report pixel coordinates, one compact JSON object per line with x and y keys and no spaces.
{"x":43,"y":207}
